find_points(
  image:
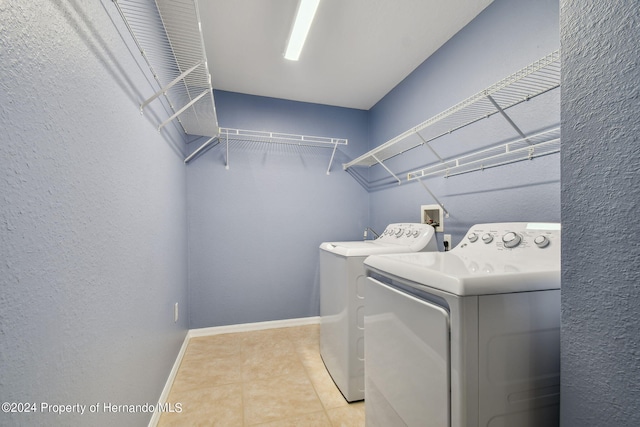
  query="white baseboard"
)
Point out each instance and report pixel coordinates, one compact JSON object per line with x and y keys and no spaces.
{"x":167,"y":386}
{"x":246,"y":327}
{"x":216,"y":330}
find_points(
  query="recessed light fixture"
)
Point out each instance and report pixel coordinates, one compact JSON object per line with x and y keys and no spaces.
{"x":304,"y":16}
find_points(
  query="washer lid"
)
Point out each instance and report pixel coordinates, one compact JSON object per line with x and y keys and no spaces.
{"x":396,"y":238}
{"x":363,"y":248}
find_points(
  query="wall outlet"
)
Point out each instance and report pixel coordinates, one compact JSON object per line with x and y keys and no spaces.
{"x":175,"y":313}
{"x":432,"y":214}
{"x":447,"y":238}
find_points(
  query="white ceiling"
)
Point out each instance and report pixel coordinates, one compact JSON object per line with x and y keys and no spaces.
{"x":356,"y":51}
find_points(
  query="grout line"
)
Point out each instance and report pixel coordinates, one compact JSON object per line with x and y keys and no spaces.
{"x":313,"y":384}
{"x":248,"y":328}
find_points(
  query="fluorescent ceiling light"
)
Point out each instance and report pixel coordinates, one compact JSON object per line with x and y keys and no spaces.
{"x":302,"y":24}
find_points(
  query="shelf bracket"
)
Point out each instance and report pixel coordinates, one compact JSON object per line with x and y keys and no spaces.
{"x":169,"y":86}
{"x":199,"y":149}
{"x":226,"y":160}
{"x":387,"y":169}
{"x":507,"y":118}
{"x":424,"y":141}
{"x":540,"y":144}
{"x":446,"y":212}
{"x":335,"y":147}
{"x":182,"y":110}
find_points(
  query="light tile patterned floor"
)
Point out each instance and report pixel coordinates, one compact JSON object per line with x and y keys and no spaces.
{"x":273,"y":377}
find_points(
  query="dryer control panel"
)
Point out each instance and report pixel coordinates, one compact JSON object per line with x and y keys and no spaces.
{"x":514,"y":236}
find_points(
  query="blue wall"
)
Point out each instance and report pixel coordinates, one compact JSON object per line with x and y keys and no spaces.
{"x":92,"y":219}
{"x":254,"y":229}
{"x":94,"y":233}
{"x":504,"y":38}
{"x":600,"y":175}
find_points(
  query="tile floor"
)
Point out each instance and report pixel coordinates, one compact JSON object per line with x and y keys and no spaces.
{"x":273,"y":377}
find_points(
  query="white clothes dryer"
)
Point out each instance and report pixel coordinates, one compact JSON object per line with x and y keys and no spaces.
{"x":469,"y":337}
{"x":342,"y":278}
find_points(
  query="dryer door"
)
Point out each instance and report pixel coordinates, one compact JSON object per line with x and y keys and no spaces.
{"x":407,"y":363}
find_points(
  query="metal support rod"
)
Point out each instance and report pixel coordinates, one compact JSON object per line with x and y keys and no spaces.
{"x":335,"y":147}
{"x":169,"y":86}
{"x":507,"y":118}
{"x":226,"y":166}
{"x":202,"y":147}
{"x":434,"y":197}
{"x":367,"y":229}
{"x":430,"y":147}
{"x":180,"y":111}
{"x":387,"y":169}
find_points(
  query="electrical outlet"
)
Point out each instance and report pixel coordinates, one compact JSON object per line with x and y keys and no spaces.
{"x":175,"y":313}
{"x":447,"y":238}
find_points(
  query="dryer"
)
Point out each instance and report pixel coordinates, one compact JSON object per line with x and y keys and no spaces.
{"x":342,"y":278}
{"x":469,"y":337}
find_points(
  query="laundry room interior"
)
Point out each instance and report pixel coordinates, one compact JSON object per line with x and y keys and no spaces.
{"x":124,"y":235}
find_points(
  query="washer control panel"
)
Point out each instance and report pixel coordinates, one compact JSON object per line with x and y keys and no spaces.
{"x":513,"y":236}
{"x":408,"y":234}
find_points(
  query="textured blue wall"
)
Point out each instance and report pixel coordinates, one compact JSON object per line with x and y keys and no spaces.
{"x":92,"y":219}
{"x":274,"y":205}
{"x":254,"y":230}
{"x":505,"y":37}
{"x":600,"y":204}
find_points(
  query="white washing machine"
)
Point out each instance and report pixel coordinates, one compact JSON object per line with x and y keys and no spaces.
{"x":469,"y":337}
{"x":342,"y":278}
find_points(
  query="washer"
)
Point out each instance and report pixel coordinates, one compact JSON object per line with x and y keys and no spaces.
{"x":469,"y":337}
{"x":342,"y":278}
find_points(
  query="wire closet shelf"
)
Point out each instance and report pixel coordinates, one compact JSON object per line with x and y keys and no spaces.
{"x":228,"y":135}
{"x":168,"y":34}
{"x":536,"y":79}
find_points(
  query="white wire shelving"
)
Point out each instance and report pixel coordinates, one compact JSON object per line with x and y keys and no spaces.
{"x":168,"y":34}
{"x":527,"y":148}
{"x":229,"y":135}
{"x":540,"y":77}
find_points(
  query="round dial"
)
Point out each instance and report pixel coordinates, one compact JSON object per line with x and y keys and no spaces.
{"x":399,"y":232}
{"x":416,"y":233}
{"x":511,"y":239}
{"x":408,"y":232}
{"x":541,"y":241}
{"x":487,"y":238}
{"x":472,"y":237}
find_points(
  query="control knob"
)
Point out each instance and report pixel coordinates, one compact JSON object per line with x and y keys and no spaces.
{"x":416,"y":233}
{"x":472,"y":237}
{"x":399,"y":232}
{"x":541,"y":241}
{"x":487,"y":238}
{"x":511,"y":239}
